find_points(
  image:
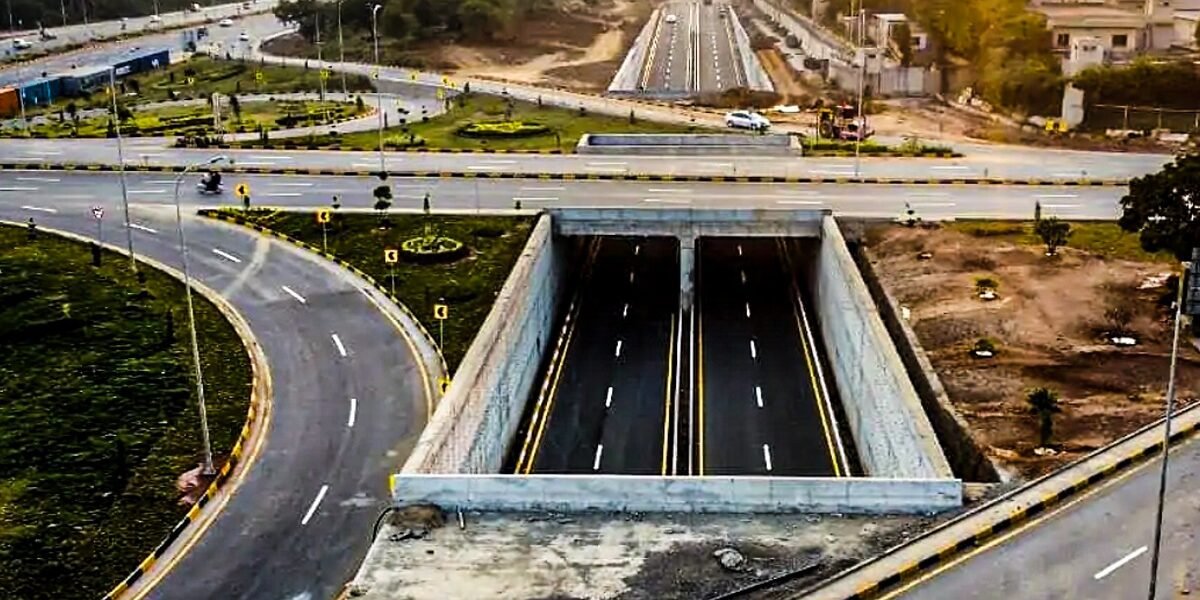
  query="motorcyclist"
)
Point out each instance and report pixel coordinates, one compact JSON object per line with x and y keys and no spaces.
{"x":212,"y":181}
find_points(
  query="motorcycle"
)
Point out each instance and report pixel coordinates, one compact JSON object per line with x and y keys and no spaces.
{"x":206,"y":190}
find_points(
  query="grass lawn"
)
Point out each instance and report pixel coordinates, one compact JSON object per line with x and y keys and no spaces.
{"x":1102,"y":238}
{"x":815,"y":147}
{"x":209,"y":75}
{"x":197,"y":120}
{"x":563,"y":127}
{"x":469,"y":285}
{"x":97,"y":418}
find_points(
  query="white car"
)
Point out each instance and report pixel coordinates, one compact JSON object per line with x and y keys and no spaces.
{"x":245,"y":37}
{"x":155,"y":19}
{"x":672,"y":18}
{"x":21,"y":44}
{"x":226,"y":22}
{"x":744,"y":119}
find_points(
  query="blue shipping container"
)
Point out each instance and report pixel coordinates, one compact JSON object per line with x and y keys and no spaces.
{"x":42,"y":90}
{"x":82,"y":81}
{"x":142,"y":61}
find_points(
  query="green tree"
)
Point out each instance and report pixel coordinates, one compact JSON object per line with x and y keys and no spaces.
{"x":1043,"y":403}
{"x":1054,"y":233}
{"x":383,"y":201}
{"x":1164,"y":208}
{"x":236,"y":106}
{"x":902,"y":36}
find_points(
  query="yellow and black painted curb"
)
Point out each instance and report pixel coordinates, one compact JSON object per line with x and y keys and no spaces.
{"x":947,"y":554}
{"x":291,"y":145}
{"x":662,"y":178}
{"x":236,"y":219}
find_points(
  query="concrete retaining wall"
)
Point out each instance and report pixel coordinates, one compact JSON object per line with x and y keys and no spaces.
{"x":629,"y":76}
{"x":756,"y":75}
{"x":713,"y":144}
{"x":629,"y":493}
{"x":686,"y":222}
{"x":892,"y":434}
{"x":964,"y":452}
{"x":479,"y":415}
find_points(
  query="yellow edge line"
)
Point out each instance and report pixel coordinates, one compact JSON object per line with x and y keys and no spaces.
{"x":412,"y":346}
{"x":667,"y":401}
{"x":700,"y":368}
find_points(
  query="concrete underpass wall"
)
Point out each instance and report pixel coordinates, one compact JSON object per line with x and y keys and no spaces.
{"x":892,"y":434}
{"x":629,"y":76}
{"x":756,"y":75}
{"x":477,"y":418}
{"x":630,"y":493}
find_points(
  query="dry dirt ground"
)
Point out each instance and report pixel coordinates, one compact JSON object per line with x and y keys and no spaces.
{"x":1049,"y":325}
{"x":618,"y":556}
{"x":579,"y":47}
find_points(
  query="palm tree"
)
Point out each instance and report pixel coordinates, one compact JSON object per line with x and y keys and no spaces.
{"x":1043,"y":402}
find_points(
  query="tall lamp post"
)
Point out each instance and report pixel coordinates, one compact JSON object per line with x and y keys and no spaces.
{"x":862,"y":70}
{"x":378,"y":92}
{"x":1182,"y":298}
{"x":341,"y":48}
{"x":187,"y":283}
{"x":112,"y":86}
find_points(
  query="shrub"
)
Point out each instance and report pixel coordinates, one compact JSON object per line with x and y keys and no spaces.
{"x":502,"y":129}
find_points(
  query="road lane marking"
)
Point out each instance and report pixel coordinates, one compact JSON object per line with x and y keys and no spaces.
{"x":143,"y":228}
{"x":667,"y":397}
{"x":950,"y":168}
{"x":747,"y":310}
{"x":607,"y":164}
{"x":154,"y":191}
{"x":758,"y":396}
{"x":39,"y":179}
{"x":1049,"y":196}
{"x":535,"y":198}
{"x":799,"y":202}
{"x":637,"y":249}
{"x":1060,"y":206}
{"x":753,"y":350}
{"x":739,"y":249}
{"x":260,"y":157}
{"x":41,"y":209}
{"x":227,"y":256}
{"x":283,"y":194}
{"x":353,"y":412}
{"x":631,"y":277}
{"x":927,"y":195}
{"x":44,"y":152}
{"x":743,"y":277}
{"x":618,"y":353}
{"x":1106,"y":571}
{"x":667,"y":200}
{"x":608,"y":398}
{"x":767,"y":456}
{"x":669,"y":191}
{"x":484,"y":167}
{"x":596,"y":461}
{"x":337,"y":341}
{"x":932,"y":204}
{"x":544,"y":189}
{"x":300,"y":299}
{"x":315,"y":503}
{"x":625,"y":311}
{"x":290,"y":184}
{"x":18,"y":189}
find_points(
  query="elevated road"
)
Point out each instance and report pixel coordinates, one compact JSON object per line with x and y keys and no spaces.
{"x":606,"y":402}
{"x":763,"y":406}
{"x":1097,"y":547}
{"x":298,"y":522}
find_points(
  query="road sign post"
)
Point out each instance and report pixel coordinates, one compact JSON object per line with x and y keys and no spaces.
{"x":98,"y":214}
{"x":441,"y":312}
{"x":391,"y":256}
{"x":323,"y":217}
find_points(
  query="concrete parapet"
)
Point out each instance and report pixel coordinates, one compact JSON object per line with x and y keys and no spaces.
{"x":711,"y":144}
{"x":479,"y":415}
{"x":756,"y":76}
{"x":688,"y":222}
{"x":633,"y":493}
{"x":629,"y":77}
{"x":892,"y":433}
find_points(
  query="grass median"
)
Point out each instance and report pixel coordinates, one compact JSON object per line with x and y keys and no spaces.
{"x":97,"y":416}
{"x":1104,"y":239}
{"x":468,"y":284}
{"x":197,"y":120}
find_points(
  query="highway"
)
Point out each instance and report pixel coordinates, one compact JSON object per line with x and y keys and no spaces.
{"x":77,"y":191}
{"x":349,"y":401}
{"x":608,"y":401}
{"x":695,"y":54}
{"x":1098,"y":547}
{"x":762,"y":403}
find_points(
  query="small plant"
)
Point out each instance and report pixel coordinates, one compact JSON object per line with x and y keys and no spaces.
{"x":1054,"y":233}
{"x":986,"y":283}
{"x":1043,"y":403}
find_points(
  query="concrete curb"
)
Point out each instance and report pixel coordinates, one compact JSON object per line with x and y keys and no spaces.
{"x":14,"y":166}
{"x":378,"y":285}
{"x":840,"y":585}
{"x":288,"y":145}
{"x":260,"y":401}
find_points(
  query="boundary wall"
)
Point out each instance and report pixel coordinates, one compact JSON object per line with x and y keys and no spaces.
{"x":633,"y":493}
{"x":714,"y":144}
{"x":474,"y":423}
{"x":890,"y":429}
{"x":752,"y":69}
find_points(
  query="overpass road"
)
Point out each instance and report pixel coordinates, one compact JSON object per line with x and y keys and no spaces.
{"x":692,"y":51}
{"x":1095,"y":548}
{"x":77,"y":190}
{"x":299,"y":522}
{"x":762,"y":403}
{"x":605,"y":408}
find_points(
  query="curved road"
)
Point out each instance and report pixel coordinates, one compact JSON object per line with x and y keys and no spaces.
{"x":300,"y":522}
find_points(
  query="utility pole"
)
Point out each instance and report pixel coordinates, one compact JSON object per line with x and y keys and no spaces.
{"x":1185,"y":296}
{"x":62,"y":5}
{"x":341,"y":48}
{"x":378,"y":92}
{"x":862,"y":70}
{"x":320,"y":64}
{"x":112,"y":86}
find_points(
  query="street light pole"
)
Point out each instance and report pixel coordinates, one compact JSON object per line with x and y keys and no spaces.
{"x":862,"y":69}
{"x":112,"y":86}
{"x":378,"y":91}
{"x":62,"y":5}
{"x":187,"y":283}
{"x":320,"y":64}
{"x":1166,"y":443}
{"x":341,"y":48}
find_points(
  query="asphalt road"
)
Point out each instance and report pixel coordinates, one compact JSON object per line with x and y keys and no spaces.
{"x":1097,"y":548}
{"x":266,"y":544}
{"x":79,"y":190}
{"x":720,"y":67}
{"x":763,"y":409}
{"x":695,"y":54}
{"x":607,"y":400}
{"x":221,"y":38}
